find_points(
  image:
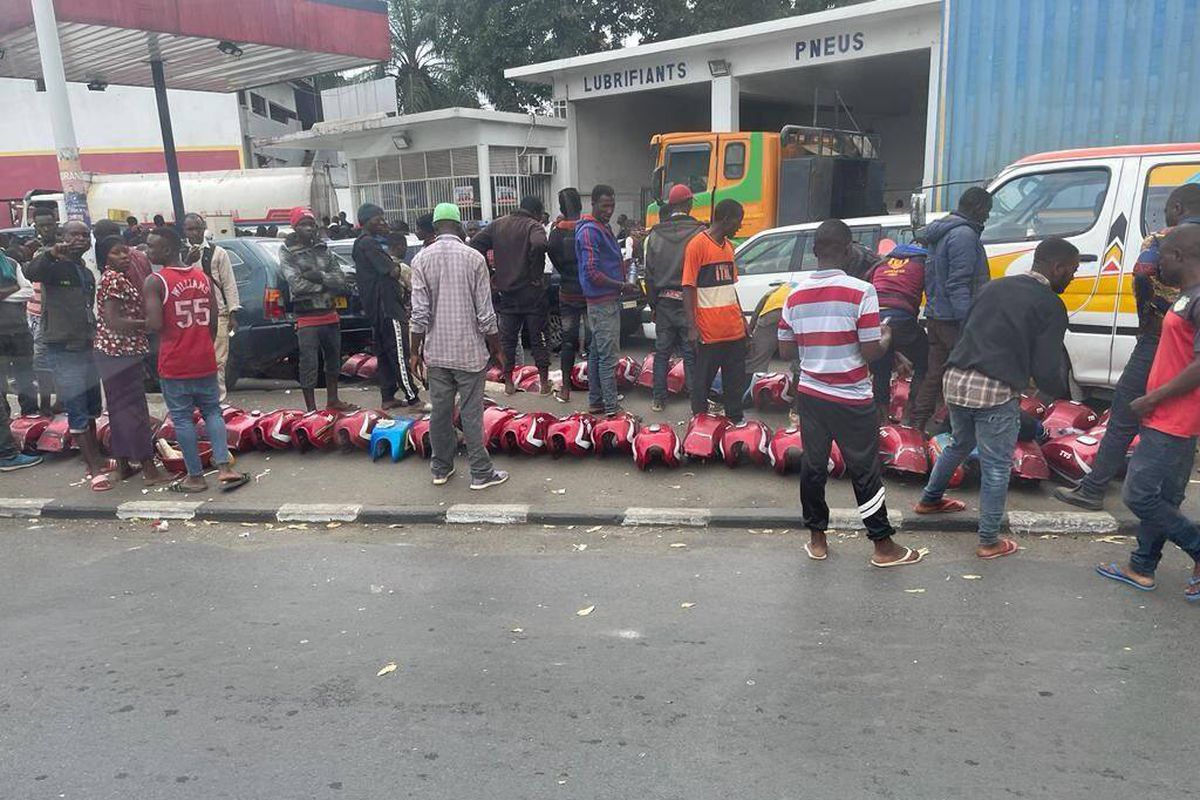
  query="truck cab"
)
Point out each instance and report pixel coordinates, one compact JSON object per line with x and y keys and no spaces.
{"x":1105,"y":201}
{"x":801,"y":174}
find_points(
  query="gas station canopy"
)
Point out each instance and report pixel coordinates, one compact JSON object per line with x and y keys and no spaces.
{"x":210,"y":45}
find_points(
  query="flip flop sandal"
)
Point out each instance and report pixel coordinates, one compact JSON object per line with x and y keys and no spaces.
{"x":101,"y":483}
{"x":904,"y":561}
{"x":814,"y":557}
{"x":182,"y":488}
{"x":944,"y":506}
{"x":1010,"y":547}
{"x":1114,"y":573}
{"x":1192,"y":598}
{"x":237,"y":483}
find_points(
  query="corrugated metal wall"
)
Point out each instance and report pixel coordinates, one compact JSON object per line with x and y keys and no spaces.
{"x":1026,"y":76}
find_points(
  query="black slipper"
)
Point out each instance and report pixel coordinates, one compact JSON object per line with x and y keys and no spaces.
{"x":239,"y":482}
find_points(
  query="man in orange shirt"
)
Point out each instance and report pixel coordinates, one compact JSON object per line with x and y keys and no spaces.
{"x":714,"y":315}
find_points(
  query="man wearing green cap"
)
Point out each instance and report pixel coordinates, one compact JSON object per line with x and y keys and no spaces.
{"x":454,"y":330}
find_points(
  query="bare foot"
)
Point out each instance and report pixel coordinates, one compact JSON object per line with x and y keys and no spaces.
{"x":944,"y":506}
{"x":818,"y":546}
{"x":890,"y":554}
{"x":341,"y":405}
{"x":388,"y":405}
{"x":509,"y":387}
{"x":1004,"y":547}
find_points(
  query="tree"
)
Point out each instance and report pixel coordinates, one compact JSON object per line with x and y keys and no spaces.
{"x":481,"y":38}
{"x":424,"y":80}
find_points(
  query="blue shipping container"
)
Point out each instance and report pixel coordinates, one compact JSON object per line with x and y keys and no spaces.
{"x":1027,"y":76}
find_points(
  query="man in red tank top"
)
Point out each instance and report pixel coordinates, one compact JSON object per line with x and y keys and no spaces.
{"x":181,"y":307}
{"x":1170,"y":414}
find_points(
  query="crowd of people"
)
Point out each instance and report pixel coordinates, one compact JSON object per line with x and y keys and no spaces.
{"x":77,"y":307}
{"x":981,"y":345}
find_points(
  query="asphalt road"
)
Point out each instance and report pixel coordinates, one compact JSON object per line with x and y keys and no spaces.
{"x":240,"y":662}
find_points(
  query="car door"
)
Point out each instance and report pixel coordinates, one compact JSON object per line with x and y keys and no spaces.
{"x":1157,"y":177}
{"x":763,"y":263}
{"x":1080,"y":201}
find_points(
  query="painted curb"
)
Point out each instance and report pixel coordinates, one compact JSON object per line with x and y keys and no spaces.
{"x":1099,"y":522}
{"x":672,"y":517}
{"x":317,"y":512}
{"x":23,"y":506}
{"x":846,"y":519}
{"x":470,"y":514}
{"x":158,"y":509}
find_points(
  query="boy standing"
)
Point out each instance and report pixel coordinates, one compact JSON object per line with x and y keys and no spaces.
{"x":714,"y":314}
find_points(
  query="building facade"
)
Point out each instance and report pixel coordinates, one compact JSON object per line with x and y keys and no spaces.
{"x":954,"y":90}
{"x":482,"y":161}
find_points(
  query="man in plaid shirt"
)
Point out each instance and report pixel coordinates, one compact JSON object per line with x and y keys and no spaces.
{"x":1013,"y":333}
{"x":453,"y":327}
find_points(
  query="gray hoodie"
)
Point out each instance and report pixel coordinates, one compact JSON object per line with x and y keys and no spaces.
{"x":665,"y":246}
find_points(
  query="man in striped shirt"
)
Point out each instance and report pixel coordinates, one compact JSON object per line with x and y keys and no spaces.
{"x":831,"y":323}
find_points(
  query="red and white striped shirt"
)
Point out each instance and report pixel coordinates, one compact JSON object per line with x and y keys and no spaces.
{"x":828,"y":317}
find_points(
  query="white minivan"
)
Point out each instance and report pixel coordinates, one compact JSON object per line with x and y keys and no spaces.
{"x":1105,"y":201}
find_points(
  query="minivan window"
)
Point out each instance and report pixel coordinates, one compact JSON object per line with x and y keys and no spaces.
{"x":767,"y":255}
{"x":1041,"y":204}
{"x":1160,"y":182}
{"x":687,"y":164}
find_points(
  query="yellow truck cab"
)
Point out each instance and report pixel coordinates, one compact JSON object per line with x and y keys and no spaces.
{"x":801,"y":174}
{"x":1105,"y":201}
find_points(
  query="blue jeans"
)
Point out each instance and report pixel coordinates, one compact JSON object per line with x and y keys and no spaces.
{"x":183,"y":395}
{"x":604,"y":319}
{"x":1154,"y":489}
{"x":1122,"y":424}
{"x":78,"y":385}
{"x":994,"y":431}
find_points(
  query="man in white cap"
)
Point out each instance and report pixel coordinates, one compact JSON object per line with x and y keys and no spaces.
{"x":454,"y":330}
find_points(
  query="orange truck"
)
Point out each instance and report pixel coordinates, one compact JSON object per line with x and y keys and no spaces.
{"x":801,"y":174}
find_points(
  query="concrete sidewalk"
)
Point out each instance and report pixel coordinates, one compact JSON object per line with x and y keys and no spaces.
{"x":341,"y":486}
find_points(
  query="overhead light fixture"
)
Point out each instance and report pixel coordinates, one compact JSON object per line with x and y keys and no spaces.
{"x":97,"y":85}
{"x":230,"y":49}
{"x":401,"y":141}
{"x":719,"y":67}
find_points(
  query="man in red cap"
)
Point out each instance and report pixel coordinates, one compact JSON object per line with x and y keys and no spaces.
{"x":664,"y":249}
{"x":316,"y":282}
